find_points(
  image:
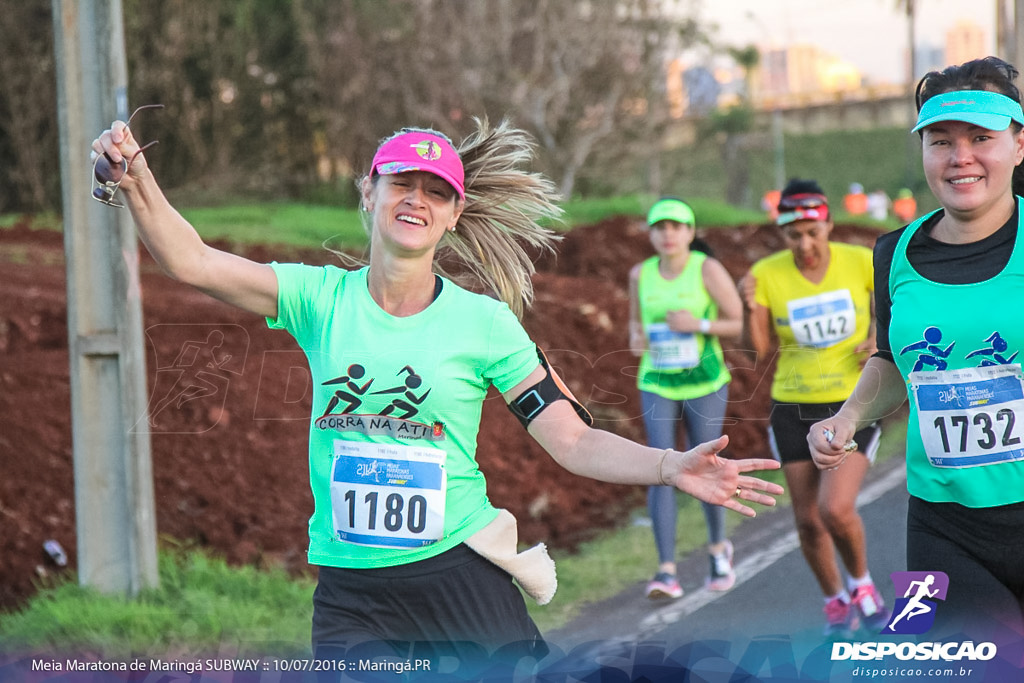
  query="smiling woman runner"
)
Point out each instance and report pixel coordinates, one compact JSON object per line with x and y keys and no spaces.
{"x":408,"y":546}
{"x":949,"y":289}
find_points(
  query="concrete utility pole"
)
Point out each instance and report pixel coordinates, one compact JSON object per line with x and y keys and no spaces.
{"x":115,"y":519}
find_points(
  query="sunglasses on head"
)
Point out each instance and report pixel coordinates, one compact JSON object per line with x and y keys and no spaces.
{"x":802,"y":201}
{"x":107,"y":175}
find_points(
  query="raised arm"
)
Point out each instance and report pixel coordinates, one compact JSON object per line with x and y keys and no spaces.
{"x":175,"y":244}
{"x":604,"y":456}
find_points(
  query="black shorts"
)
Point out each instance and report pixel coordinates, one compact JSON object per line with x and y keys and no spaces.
{"x":456,"y":603}
{"x":790,"y":423}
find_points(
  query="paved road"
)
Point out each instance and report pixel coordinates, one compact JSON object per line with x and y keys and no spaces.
{"x":775,"y":591}
{"x":768,"y":627}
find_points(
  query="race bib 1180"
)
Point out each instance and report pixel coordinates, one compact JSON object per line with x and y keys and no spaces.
{"x":388,"y":495}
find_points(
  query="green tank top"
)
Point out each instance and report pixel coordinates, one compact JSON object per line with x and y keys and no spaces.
{"x":675,"y":365}
{"x":957,"y":347}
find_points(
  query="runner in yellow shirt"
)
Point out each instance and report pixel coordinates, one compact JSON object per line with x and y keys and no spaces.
{"x":815,"y":299}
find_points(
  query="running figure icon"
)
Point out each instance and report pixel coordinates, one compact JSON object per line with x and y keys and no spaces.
{"x":997,"y":347}
{"x":354,"y":372}
{"x":936,"y":355}
{"x":412,"y":381}
{"x":916,"y":606}
{"x":197,"y":365}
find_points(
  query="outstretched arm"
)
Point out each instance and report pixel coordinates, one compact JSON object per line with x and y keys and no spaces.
{"x":175,"y":244}
{"x":604,"y":456}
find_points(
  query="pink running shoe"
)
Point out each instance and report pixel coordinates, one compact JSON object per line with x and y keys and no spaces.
{"x":721,"y":577}
{"x":664,"y":585}
{"x":871,"y":606}
{"x":840,"y":619}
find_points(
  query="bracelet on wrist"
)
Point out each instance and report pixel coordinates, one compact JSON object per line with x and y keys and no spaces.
{"x":661,"y":469}
{"x":705,"y":326}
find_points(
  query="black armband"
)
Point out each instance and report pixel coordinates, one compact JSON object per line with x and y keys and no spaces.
{"x":534,"y":400}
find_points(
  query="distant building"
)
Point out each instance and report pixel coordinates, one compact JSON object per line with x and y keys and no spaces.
{"x":702,"y":90}
{"x":965,"y":41}
{"x":929,"y":57}
{"x":803,"y":70}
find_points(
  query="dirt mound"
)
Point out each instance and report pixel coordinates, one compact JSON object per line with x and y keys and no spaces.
{"x":230,"y":470}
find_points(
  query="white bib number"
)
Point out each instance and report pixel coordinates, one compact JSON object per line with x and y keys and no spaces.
{"x":824,"y":319}
{"x":671,"y":350}
{"x":968,"y":417}
{"x":388,"y":496}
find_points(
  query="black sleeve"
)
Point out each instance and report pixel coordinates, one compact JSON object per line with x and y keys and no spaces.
{"x":885,"y":248}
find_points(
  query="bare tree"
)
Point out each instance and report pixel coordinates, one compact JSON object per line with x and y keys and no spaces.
{"x":236,"y":83}
{"x":267,"y":96}
{"x":585,"y":76}
{"x":29,"y":141}
{"x":582,"y":76}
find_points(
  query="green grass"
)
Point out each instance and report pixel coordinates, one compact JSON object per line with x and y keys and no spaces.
{"x":201,"y":606}
{"x":887,"y":158}
{"x":299,"y":225}
{"x":40,"y":221}
{"x":315,"y":226}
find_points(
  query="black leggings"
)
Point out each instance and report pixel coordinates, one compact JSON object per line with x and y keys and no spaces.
{"x":982,"y":552}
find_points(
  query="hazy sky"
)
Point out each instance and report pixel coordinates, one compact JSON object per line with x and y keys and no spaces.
{"x":872,"y":34}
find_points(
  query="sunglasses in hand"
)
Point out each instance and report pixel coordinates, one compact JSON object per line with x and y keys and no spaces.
{"x":107,"y":175}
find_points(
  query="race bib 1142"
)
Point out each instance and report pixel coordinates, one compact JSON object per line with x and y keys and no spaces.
{"x":824,"y":319}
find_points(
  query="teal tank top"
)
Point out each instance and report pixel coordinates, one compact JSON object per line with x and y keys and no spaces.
{"x":958,"y":349}
{"x":678,"y":366}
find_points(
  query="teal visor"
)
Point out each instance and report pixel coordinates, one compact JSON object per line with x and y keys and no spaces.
{"x":983,"y":108}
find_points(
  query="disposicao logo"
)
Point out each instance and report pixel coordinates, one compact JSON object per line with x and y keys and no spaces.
{"x":914,"y":613}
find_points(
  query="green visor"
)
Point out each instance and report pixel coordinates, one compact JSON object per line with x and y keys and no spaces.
{"x":670,"y":210}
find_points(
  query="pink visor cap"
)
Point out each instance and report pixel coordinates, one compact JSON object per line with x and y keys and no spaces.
{"x":421,"y":151}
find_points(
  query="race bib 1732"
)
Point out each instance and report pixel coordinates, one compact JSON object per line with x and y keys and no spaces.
{"x":968,"y":417}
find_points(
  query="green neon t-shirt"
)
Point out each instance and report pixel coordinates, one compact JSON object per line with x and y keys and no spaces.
{"x":383,"y":383}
